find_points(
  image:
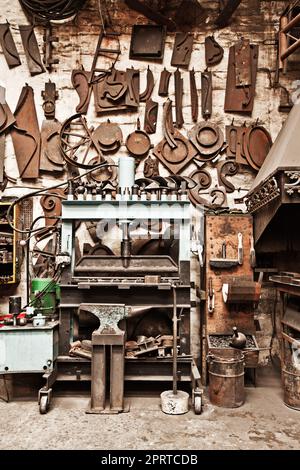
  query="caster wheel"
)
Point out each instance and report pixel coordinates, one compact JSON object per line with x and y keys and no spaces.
{"x":44,"y":405}
{"x":197,"y":405}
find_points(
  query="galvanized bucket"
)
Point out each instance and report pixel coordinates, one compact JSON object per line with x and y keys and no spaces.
{"x":226,"y":378}
{"x":291,"y":388}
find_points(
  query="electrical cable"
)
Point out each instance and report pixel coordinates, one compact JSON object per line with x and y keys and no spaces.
{"x":52,"y":10}
{"x":39,"y":191}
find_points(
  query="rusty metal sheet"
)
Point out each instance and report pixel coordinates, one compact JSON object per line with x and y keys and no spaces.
{"x":213,"y":51}
{"x":31,"y":49}
{"x":178,"y":98}
{"x":231,"y":140}
{"x":206,"y":94}
{"x":110,"y":92}
{"x":6,"y":116}
{"x":149,"y":88}
{"x":51,"y":155}
{"x":147,"y":42}
{"x":49,"y":95}
{"x":151,"y":167}
{"x":257,"y":144}
{"x":182,"y":51}
{"x":220,"y":229}
{"x":150,"y":121}
{"x":133,"y":88}
{"x":8,"y":46}
{"x":208,"y":139}
{"x":138,"y":142}
{"x":240,"y":145}
{"x":164,"y":82}
{"x":26,"y":135}
{"x":80,"y":81}
{"x":240,"y":99}
{"x":109,"y":136}
{"x":175,"y":159}
{"x":242,"y":60}
{"x":227,"y":168}
{"x":194,"y":96}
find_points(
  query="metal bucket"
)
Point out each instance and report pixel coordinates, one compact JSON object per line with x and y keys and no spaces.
{"x":226,"y":378}
{"x":291,"y":388}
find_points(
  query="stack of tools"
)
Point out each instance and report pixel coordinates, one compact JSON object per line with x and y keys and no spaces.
{"x":160,"y":345}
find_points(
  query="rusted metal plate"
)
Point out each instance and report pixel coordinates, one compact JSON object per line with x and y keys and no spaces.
{"x":182,"y":51}
{"x":240,"y":145}
{"x":175,"y":159}
{"x":151,"y":167}
{"x":208,"y":139}
{"x":178,"y":98}
{"x":133,"y":88}
{"x":138,"y":142}
{"x":206,"y":94}
{"x":194,"y":96}
{"x":203,"y":181}
{"x":147,"y":42}
{"x":8,"y":46}
{"x":111,"y":92}
{"x":80,"y":81}
{"x":26,"y":135}
{"x":257,"y":144}
{"x":31,"y":49}
{"x":149,"y":87}
{"x":231,"y":140}
{"x":213,"y":51}
{"x":240,"y":99}
{"x":150,"y":121}
{"x":51,"y":155}
{"x":49,"y":95}
{"x":220,"y":229}
{"x":164,"y":82}
{"x":227,"y":168}
{"x":6,"y":116}
{"x":109,"y":136}
{"x":242,"y":60}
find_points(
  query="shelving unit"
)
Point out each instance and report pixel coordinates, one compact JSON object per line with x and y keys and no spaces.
{"x":9,"y":246}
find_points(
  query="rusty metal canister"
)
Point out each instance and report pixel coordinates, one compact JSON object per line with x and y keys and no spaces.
{"x":226,"y":378}
{"x":291,"y":388}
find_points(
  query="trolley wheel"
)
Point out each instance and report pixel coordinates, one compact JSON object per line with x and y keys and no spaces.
{"x":198,"y":404}
{"x":44,"y":404}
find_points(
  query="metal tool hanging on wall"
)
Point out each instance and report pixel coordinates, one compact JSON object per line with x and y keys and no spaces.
{"x":6,"y":116}
{"x":138,"y":142}
{"x":108,"y":136}
{"x":213,"y":51}
{"x":174,"y":151}
{"x":31,"y":48}
{"x":182,"y":50}
{"x":146,"y":95}
{"x":194,"y":96}
{"x":26,"y":135}
{"x":85,"y":81}
{"x":178,"y":81}
{"x":241,"y":77}
{"x":8,"y":46}
{"x":48,"y":47}
{"x":227,"y":168}
{"x":151,"y":167}
{"x":51,"y":156}
{"x":164,"y":82}
{"x":150,"y":121}
{"x":206,"y":94}
{"x":132,"y":98}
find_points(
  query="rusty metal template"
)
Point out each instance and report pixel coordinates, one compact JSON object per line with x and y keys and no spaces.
{"x":213,"y":51}
{"x":164,"y":82}
{"x":8,"y":46}
{"x":206,"y":94}
{"x":80,"y":81}
{"x":31,"y":49}
{"x":146,"y":95}
{"x":194,"y":96}
{"x":178,"y":81}
{"x":150,"y":121}
{"x":182,"y":51}
{"x":26,"y":135}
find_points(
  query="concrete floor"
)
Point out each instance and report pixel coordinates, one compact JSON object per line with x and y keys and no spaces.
{"x":263,"y":422}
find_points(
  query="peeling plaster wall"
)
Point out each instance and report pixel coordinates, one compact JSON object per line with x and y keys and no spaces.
{"x":254,"y":19}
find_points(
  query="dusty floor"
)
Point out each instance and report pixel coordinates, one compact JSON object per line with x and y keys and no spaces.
{"x":264,"y":422}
